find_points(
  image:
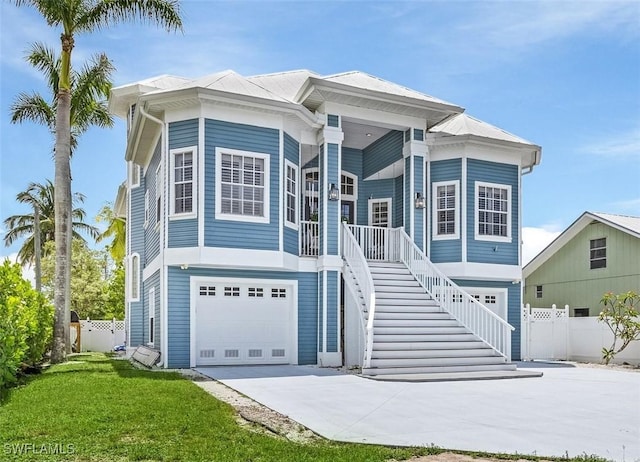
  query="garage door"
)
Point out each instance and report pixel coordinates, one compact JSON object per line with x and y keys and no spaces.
{"x":494,"y":299}
{"x":243,"y":323}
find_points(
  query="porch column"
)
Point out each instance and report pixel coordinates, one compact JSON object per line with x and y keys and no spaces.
{"x":329,"y":258}
{"x":415,"y":152}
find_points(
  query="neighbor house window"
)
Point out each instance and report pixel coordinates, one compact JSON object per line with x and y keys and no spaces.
{"x":242,"y":186}
{"x":152,"y":315}
{"x":291,"y":194}
{"x":538,"y":291}
{"x":581,"y":312}
{"x":493,"y":212}
{"x":598,"y":253}
{"x":183,"y":174}
{"x":158,"y":195}
{"x":446,"y":210}
{"x":134,"y":287}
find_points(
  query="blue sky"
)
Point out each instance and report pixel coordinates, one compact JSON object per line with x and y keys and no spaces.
{"x":565,"y":75}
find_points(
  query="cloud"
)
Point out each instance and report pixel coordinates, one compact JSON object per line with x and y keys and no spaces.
{"x":28,"y":272}
{"x":535,"y":240}
{"x":622,"y":144}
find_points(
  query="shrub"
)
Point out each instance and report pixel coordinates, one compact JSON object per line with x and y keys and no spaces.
{"x":26,"y":323}
{"x":621,"y":315}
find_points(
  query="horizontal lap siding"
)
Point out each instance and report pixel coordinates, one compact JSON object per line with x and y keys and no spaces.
{"x":514,"y":307}
{"x":478,"y":251}
{"x":449,"y":250}
{"x":225,"y":233}
{"x":152,"y":233}
{"x":152,"y":282}
{"x":183,"y":233}
{"x":292,"y":154}
{"x":136,"y":242}
{"x":418,"y":172}
{"x":398,"y":202}
{"x":407,"y":193}
{"x":382,"y":153}
{"x":332,"y":311}
{"x":332,"y":206}
{"x":179,"y":309}
{"x":375,"y":189}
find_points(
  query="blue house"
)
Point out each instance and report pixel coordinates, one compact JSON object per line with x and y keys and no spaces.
{"x":333,"y":220}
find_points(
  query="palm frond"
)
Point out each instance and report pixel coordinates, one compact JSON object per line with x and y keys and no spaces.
{"x":45,"y":60}
{"x":33,"y":107}
{"x":165,"y":13}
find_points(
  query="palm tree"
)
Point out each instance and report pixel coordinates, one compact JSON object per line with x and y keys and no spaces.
{"x":42,"y":219}
{"x":81,"y":16}
{"x":116,"y":229}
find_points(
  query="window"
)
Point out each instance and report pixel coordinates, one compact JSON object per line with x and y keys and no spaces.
{"x":278,"y":293}
{"x":581,"y":312}
{"x":152,"y":314}
{"x":134,"y":287}
{"x":446,"y":207}
{"x":256,"y":292}
{"x":493,"y":206}
{"x":538,"y":291}
{"x":232,"y":291}
{"x":209,"y":291}
{"x":183,"y":174}
{"x":598,"y":253}
{"x":311,"y":185}
{"x":379,"y":212}
{"x":146,"y":208}
{"x":291,"y":194}
{"x":158,"y":195}
{"x":242,"y":186}
{"x":348,"y":185}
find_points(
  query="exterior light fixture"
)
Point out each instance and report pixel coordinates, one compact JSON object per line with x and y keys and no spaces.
{"x":334,"y":194}
{"x":420,"y":202}
{"x":184,"y":266}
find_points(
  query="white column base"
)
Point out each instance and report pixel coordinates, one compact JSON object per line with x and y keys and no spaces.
{"x":330,"y":359}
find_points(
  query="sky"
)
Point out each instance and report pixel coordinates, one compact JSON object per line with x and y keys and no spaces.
{"x":562,"y":74}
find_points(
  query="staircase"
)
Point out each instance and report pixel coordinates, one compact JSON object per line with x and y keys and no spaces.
{"x":414,"y":339}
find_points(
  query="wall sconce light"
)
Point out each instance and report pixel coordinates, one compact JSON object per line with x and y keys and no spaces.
{"x":184,"y":266}
{"x":420,"y":202}
{"x":334,"y":194}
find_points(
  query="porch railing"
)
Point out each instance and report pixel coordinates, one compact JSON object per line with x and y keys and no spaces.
{"x":476,"y":317}
{"x":361,"y":286}
{"x":309,"y":238}
{"x":377,"y":243}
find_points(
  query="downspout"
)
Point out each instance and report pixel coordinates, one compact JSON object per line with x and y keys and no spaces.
{"x":536,"y":161}
{"x":150,"y":117}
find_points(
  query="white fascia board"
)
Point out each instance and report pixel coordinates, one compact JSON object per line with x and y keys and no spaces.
{"x":481,"y":271}
{"x":529,"y":155}
{"x":151,"y":268}
{"x":374,"y":117}
{"x":330,"y":263}
{"x":230,"y":258}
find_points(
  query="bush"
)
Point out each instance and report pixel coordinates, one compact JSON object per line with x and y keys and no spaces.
{"x":621,"y":315}
{"x":26,"y":324}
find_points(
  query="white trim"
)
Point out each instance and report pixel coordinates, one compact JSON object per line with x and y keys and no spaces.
{"x":502,"y":292}
{"x":434,"y":210}
{"x":218,"y":186}
{"x":194,"y":183}
{"x":463,"y":208}
{"x":133,"y":169}
{"x":201,"y":189}
{"x":427,"y":234}
{"x":326,"y":359}
{"x":412,"y":195}
{"x":325,"y":310}
{"x":520,"y":222}
{"x":158,"y":196}
{"x":477,"y":235}
{"x":135,"y":273}
{"x":481,"y":271}
{"x":226,"y":257}
{"x":151,"y":314}
{"x":389,"y":202}
{"x":323,"y":193}
{"x":195,"y":281}
{"x":296,"y":195}
{"x":281,"y":194}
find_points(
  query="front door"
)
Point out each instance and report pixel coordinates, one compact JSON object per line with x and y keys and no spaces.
{"x":347,"y":211}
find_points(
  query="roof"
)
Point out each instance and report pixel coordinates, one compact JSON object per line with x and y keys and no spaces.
{"x":463,"y":124}
{"x":624,"y":223}
{"x":285,"y":84}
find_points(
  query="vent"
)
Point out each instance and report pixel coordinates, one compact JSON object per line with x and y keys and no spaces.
{"x":231,"y":354}
{"x":277,"y":353}
{"x":207,"y":353}
{"x":255,"y":353}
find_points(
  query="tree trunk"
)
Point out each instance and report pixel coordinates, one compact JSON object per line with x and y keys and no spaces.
{"x":37,"y":246}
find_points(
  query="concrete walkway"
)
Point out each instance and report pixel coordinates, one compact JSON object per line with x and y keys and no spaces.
{"x":570,"y":410}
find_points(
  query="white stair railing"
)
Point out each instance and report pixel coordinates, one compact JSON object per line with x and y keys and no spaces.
{"x":476,"y":317}
{"x":377,"y":243}
{"x":359,"y":268}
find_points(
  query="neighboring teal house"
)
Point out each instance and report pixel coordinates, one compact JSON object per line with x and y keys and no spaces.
{"x":305,"y":219}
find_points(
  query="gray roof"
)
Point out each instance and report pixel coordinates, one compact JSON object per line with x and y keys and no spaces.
{"x":463,"y":124}
{"x":627,"y":222}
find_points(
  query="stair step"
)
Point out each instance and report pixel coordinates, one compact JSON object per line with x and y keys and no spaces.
{"x":403,"y":295}
{"x":419,"y":338}
{"x":419,"y":330}
{"x":437,"y":369}
{"x":457,"y":376}
{"x":415,"y":355}
{"x":412,"y":315}
{"x":405,"y":302}
{"x":389,"y":270}
{"x":380,"y":282}
{"x":425,"y":308}
{"x":379,"y":346}
{"x":415,"y":323}
{"x":438,"y":361}
{"x":392,"y":276}
{"x":385,"y":264}
{"x":395,"y":291}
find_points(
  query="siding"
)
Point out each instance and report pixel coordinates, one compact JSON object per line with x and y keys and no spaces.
{"x":418,"y":171}
{"x":152,"y":282}
{"x":152,"y":233}
{"x":136,"y":244}
{"x":398,"y":205}
{"x":375,"y":189}
{"x":449,"y":250}
{"x":292,"y":154}
{"x":224,"y":233}
{"x":333,"y":176}
{"x":332,"y":311}
{"x":179,"y":310}
{"x":407,"y":193}
{"x":514,"y":308}
{"x":183,"y":233}
{"x":567,"y":279}
{"x":505,"y":253}
{"x":382,"y":153}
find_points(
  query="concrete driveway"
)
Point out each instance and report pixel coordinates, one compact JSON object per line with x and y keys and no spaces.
{"x":570,"y":410}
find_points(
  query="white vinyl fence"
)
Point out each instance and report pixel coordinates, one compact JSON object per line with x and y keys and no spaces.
{"x":99,"y":335}
{"x":549,"y":333}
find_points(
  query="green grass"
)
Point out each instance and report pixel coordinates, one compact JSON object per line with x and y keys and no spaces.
{"x":109,"y":411}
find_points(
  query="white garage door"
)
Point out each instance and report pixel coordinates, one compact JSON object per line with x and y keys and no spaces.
{"x":243,"y":323}
{"x":494,"y":299}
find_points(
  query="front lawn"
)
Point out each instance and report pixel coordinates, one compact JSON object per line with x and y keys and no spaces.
{"x":99,"y":409}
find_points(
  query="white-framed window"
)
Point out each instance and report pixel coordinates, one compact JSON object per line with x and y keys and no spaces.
{"x":380,"y":212}
{"x":348,"y":186}
{"x":291,"y":194}
{"x":147,"y":211}
{"x":242,"y":185}
{"x":134,"y":278}
{"x":446,"y":210}
{"x":158,"y":194}
{"x":539,"y":291}
{"x":152,"y":315}
{"x":598,"y":253}
{"x":134,"y":175}
{"x":183,"y":183}
{"x":311,"y":188}
{"x":493,"y":212}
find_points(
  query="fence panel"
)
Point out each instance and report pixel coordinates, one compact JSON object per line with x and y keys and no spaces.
{"x":100,"y":335}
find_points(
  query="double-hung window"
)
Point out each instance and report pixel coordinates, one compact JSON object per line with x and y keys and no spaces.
{"x":291,"y":194}
{"x":493,"y":212}
{"x":242,"y":186}
{"x":446,"y":210}
{"x":598,"y":253}
{"x":183,"y":181}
